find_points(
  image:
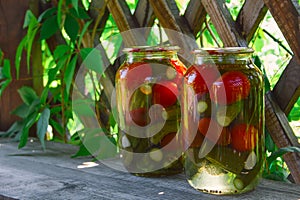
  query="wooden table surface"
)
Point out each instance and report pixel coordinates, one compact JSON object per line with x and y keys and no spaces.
{"x":31,"y":173}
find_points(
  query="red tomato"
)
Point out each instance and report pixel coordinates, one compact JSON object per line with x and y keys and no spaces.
{"x":213,"y":131}
{"x":165,"y":93}
{"x":140,"y":116}
{"x":135,"y":74}
{"x":230,"y":87}
{"x":201,"y":77}
{"x":244,"y":137}
{"x":170,"y":137}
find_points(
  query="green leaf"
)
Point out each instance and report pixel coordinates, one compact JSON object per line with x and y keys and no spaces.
{"x":23,"y":138}
{"x":19,"y":55}
{"x":6,"y":75}
{"x":60,"y":51}
{"x":49,"y":28}
{"x":69,"y":73}
{"x":83,"y":151}
{"x":92,"y":59}
{"x":29,"y":18}
{"x":44,"y":94}
{"x":28,"y":95}
{"x":31,"y":33}
{"x":83,"y":108}
{"x":71,"y":26}
{"x":282,"y":151}
{"x":55,"y":71}
{"x":75,"y":4}
{"x":14,"y":128}
{"x":6,"y":69}
{"x":86,"y":4}
{"x":21,"y":111}
{"x":25,"y":132}
{"x":83,"y":14}
{"x":56,"y":126}
{"x":208,"y":37}
{"x":47,"y":13}
{"x":42,"y":125}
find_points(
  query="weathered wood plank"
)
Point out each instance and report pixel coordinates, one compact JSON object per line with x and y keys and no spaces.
{"x":144,"y":14}
{"x":195,"y":15}
{"x":224,"y":23}
{"x":31,"y":173}
{"x":282,"y":134}
{"x":287,"y":89}
{"x":287,"y":15}
{"x":250,"y":16}
{"x":125,"y":22}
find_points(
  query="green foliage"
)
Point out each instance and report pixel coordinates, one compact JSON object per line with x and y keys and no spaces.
{"x":5,"y":75}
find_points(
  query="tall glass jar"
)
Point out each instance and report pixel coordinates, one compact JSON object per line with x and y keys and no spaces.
{"x":223,"y":121}
{"x":148,"y":89}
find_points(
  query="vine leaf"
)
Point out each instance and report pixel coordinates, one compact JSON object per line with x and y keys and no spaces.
{"x":27,"y":94}
{"x":42,"y":126}
{"x":71,"y":26}
{"x":49,"y":27}
{"x":69,"y":73}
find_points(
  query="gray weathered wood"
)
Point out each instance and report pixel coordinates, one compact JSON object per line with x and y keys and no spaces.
{"x":287,"y":89}
{"x":250,"y":16}
{"x":144,"y":14}
{"x":282,"y":134}
{"x":125,"y":22}
{"x":195,"y":15}
{"x":34,"y":174}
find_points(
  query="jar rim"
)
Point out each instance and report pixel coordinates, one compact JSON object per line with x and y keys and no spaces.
{"x":222,"y":51}
{"x":150,"y":49}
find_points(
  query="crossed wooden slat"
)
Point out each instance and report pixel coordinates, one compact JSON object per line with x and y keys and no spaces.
{"x":232,"y":33}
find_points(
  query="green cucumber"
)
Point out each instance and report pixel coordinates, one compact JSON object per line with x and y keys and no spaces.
{"x":227,"y":113}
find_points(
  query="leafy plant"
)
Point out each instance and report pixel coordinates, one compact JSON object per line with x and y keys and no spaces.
{"x":69,"y":23}
{"x":5,"y":76}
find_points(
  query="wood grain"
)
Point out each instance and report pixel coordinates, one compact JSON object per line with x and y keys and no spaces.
{"x":195,"y":15}
{"x":125,"y":22}
{"x":144,"y":14}
{"x":250,"y":16}
{"x":282,"y":134}
{"x":287,"y":88}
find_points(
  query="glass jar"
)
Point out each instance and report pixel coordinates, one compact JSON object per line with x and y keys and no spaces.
{"x":223,"y":121}
{"x":148,"y":89}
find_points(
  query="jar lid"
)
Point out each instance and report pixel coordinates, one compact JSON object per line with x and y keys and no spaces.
{"x":222,"y":51}
{"x":151,"y":49}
